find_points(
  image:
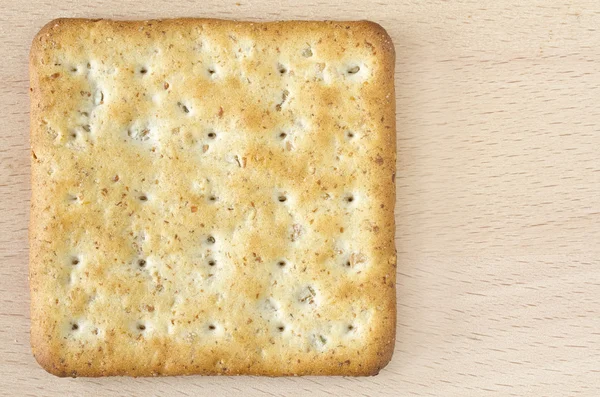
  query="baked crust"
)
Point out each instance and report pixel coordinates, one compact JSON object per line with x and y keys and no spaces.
{"x":177,"y":163}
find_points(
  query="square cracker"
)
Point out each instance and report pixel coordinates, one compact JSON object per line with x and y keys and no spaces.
{"x":212,"y":197}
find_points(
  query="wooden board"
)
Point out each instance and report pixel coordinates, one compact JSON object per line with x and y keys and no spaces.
{"x":498,"y":208}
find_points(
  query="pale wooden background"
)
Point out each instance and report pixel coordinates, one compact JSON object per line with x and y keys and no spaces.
{"x":498,"y":208}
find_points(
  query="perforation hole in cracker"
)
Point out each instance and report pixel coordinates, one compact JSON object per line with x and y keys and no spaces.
{"x":353,"y":69}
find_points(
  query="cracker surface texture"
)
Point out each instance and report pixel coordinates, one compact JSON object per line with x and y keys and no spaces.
{"x":212,"y":197}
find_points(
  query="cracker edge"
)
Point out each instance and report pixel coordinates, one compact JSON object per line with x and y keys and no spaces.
{"x":386,"y":341}
{"x":40,"y":346}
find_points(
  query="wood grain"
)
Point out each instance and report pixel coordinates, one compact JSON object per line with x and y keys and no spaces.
{"x":498,"y":208}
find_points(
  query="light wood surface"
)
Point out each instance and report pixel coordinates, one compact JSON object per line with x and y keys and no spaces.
{"x":498,"y":210}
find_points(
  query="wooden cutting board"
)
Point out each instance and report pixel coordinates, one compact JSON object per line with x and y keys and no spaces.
{"x":498,"y":210}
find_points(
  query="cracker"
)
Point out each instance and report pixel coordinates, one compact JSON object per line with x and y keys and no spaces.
{"x":212,"y":197}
